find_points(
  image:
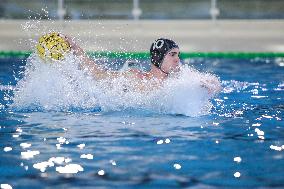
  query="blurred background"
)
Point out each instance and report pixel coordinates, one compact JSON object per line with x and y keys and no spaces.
{"x":197,"y":25}
{"x":143,"y":9}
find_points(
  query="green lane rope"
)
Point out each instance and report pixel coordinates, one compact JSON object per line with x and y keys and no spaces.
{"x":145,"y":55}
{"x":17,"y":54}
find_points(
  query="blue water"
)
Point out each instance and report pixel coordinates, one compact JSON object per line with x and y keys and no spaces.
{"x":238,"y":145}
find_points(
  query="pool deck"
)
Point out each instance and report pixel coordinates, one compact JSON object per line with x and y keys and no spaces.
{"x":136,"y":36}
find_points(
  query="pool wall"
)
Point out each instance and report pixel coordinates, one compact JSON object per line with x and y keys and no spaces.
{"x":136,"y":36}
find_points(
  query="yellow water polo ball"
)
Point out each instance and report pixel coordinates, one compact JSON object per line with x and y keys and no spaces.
{"x":52,"y":46}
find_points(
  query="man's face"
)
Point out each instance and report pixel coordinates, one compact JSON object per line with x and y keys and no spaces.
{"x":171,"y":61}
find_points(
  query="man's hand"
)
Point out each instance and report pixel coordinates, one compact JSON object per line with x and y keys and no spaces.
{"x":78,"y":51}
{"x":212,"y":84}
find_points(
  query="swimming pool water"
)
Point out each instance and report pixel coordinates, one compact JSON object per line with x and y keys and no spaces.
{"x":240,"y":144}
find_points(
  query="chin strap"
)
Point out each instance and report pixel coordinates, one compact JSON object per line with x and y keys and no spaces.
{"x":161,"y":70}
{"x":164,"y":71}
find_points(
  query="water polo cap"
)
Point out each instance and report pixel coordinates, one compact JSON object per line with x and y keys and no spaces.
{"x":159,"y":49}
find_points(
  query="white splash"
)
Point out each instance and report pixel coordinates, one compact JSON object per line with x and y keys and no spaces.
{"x":43,"y":165}
{"x":61,"y":140}
{"x":160,"y":142}
{"x":101,"y":172}
{"x":57,"y":160}
{"x":87,"y":156}
{"x":25,"y":145}
{"x":277,"y":148}
{"x":7,"y":149}
{"x":19,"y":130}
{"x":177,"y":166}
{"x":63,"y":86}
{"x":237,"y":174}
{"x":70,"y":168}
{"x":167,"y":141}
{"x":237,"y":159}
{"x":260,"y":133}
{"x":5,"y":186}
{"x":112,"y":162}
{"x":81,"y":146}
{"x":29,"y":154}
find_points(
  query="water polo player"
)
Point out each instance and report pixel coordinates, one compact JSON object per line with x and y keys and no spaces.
{"x":164,"y":59}
{"x":165,"y":62}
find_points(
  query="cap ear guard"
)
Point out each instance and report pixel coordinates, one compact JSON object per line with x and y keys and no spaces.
{"x":156,"y":58}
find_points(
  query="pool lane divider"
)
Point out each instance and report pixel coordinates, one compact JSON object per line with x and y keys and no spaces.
{"x":145,"y":55}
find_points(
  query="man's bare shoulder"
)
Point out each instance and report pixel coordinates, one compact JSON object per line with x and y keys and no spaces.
{"x":139,"y":74}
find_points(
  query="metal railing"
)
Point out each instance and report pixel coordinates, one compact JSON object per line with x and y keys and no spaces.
{"x":142,"y":9}
{"x":136,"y":11}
